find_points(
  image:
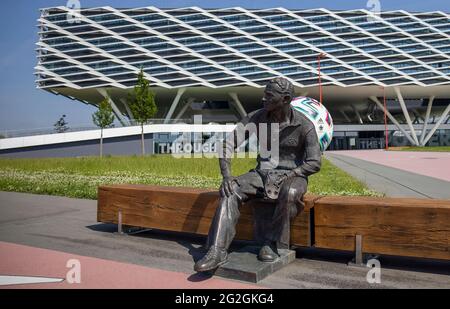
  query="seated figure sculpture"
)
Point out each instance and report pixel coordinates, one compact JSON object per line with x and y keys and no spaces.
{"x":285,"y":183}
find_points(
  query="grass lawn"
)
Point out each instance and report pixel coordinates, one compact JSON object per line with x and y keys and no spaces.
{"x":433,"y":149}
{"x":79,"y":177}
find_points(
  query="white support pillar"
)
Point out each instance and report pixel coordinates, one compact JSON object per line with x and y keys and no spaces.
{"x":184,"y":108}
{"x":174,"y":104}
{"x":114,"y":107}
{"x":427,"y":118}
{"x":127,"y":108}
{"x":394,"y":121}
{"x":345,"y":116}
{"x":358,"y":115}
{"x":436,"y":126}
{"x":417,"y":116}
{"x":238,"y":104}
{"x":406,"y":114}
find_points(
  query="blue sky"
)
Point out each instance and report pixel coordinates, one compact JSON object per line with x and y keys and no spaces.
{"x":22,"y":106}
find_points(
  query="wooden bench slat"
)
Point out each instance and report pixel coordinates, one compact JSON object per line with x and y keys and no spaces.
{"x":384,"y":201}
{"x":183,"y":210}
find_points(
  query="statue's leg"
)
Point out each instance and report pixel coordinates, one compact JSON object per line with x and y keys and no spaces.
{"x":221,"y":232}
{"x":262,"y":222}
{"x":289,"y":204}
{"x":223,"y":226}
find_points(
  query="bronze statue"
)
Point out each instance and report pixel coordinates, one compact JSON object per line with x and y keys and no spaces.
{"x":299,"y":156}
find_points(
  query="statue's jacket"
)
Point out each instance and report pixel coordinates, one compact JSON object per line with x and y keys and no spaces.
{"x":298,"y":149}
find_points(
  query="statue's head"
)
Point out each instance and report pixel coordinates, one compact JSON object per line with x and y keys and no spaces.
{"x":278,"y":93}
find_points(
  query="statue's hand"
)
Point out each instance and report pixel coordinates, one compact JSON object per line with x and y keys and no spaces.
{"x":226,"y":188}
{"x":283,"y":177}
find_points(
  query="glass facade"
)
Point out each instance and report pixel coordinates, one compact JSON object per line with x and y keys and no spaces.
{"x":240,"y":47}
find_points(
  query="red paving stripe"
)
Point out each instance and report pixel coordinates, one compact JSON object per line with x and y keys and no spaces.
{"x":22,"y":260}
{"x":432,"y":164}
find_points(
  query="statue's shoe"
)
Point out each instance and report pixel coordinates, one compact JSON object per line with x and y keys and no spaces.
{"x":214,"y":258}
{"x":267,"y":254}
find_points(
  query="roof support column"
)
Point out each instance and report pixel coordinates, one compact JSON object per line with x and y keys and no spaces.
{"x":358,"y":115}
{"x":417,"y":116}
{"x":177,"y":98}
{"x":394,"y":121}
{"x":345,"y":116}
{"x":114,"y":107}
{"x":129,"y":113}
{"x":406,"y":114}
{"x":427,"y":118}
{"x":236,"y":103}
{"x":436,"y":126}
{"x":184,"y":108}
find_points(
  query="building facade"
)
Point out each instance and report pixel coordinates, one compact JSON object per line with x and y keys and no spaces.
{"x":216,"y":62}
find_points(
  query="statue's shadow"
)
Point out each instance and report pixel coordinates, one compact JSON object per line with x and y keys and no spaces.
{"x":198,"y":251}
{"x":193,"y":244}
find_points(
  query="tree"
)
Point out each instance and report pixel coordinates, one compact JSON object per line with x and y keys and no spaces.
{"x":61,"y":125}
{"x":103,"y":118}
{"x":142,"y":103}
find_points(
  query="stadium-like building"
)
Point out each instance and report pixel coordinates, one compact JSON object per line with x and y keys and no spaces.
{"x":216,"y":62}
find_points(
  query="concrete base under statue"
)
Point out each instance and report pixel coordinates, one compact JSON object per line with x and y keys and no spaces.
{"x":243,"y":264}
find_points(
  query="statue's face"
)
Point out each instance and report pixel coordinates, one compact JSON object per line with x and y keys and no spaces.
{"x":273,"y":99}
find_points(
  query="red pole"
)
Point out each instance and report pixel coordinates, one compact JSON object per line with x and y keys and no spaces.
{"x":321,"y":55}
{"x":320,"y":81}
{"x":385,"y":120}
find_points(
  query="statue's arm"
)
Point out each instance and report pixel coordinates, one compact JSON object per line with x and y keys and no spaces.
{"x":232,"y":141}
{"x":225,"y":167}
{"x":229,"y":145}
{"x":313,"y":156}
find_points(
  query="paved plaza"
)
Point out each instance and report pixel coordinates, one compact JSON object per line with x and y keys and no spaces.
{"x":39,"y":234}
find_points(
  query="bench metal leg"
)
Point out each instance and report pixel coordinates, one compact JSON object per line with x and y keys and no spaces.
{"x":358,"y":250}
{"x":360,"y":259}
{"x":126,"y":229}
{"x":119,"y":223}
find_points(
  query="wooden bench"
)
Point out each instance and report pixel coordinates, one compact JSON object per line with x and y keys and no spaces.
{"x":390,"y":226}
{"x":182,"y":210}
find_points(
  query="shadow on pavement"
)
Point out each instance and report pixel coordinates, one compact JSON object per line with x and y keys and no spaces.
{"x":194,"y":244}
{"x":391,"y":262}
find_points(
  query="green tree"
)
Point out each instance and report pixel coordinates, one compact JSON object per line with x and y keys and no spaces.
{"x":142,"y":103}
{"x":61,"y":125}
{"x":103,"y":118}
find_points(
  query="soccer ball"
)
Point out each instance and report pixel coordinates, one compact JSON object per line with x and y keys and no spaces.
{"x":319,"y":116}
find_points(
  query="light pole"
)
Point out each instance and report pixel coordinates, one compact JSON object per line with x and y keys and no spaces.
{"x":321,"y":55}
{"x":386,"y":146}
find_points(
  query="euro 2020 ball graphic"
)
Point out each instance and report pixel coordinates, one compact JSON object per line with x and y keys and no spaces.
{"x":317,"y":113}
